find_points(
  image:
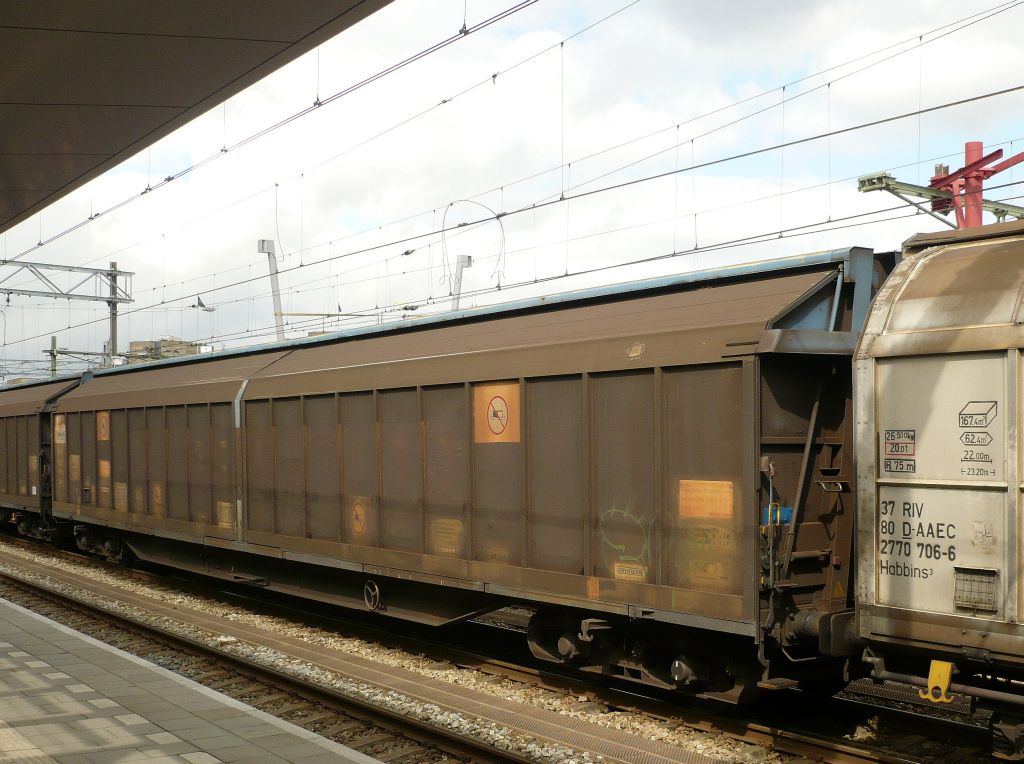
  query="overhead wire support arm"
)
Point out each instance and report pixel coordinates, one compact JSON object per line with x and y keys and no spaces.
{"x":959,"y":192}
{"x":110,"y":284}
{"x":886,"y":182}
{"x":889,"y":183}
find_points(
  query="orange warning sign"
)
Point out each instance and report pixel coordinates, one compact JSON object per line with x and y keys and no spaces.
{"x":705,"y":498}
{"x":102,"y":425}
{"x":358,"y":519}
{"x":496,"y":412}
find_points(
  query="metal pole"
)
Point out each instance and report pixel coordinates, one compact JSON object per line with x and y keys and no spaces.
{"x":973,"y":183}
{"x":52,"y":352}
{"x":112,"y":302}
{"x":464,"y":261}
{"x":267,"y":246}
{"x":276,"y":289}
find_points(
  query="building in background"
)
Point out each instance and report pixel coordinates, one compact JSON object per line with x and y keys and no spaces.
{"x":165,"y":347}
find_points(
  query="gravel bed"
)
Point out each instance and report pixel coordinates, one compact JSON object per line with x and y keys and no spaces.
{"x":673,"y":732}
{"x":880,"y":735}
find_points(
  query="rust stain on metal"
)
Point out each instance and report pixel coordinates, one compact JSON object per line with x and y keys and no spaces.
{"x":121,"y":497}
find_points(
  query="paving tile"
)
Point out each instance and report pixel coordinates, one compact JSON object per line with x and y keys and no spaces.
{"x":73,"y":707}
{"x":70,"y":737}
{"x":13,"y":744}
{"x":122,"y":735}
{"x":272,"y":740}
{"x":226,"y":743}
{"x":171,"y":749}
{"x":93,"y":724}
{"x":219,"y":714}
{"x":243,"y":753}
{"x":200,"y":757}
{"x":164,"y":737}
{"x":85,"y":703}
{"x":129,"y":719}
{"x":151,"y":706}
{"x":117,"y":756}
{"x":50,"y":728}
{"x":103,"y":703}
{"x":202,"y":736}
{"x":185,"y":721}
{"x":242,"y":721}
{"x":169,"y":713}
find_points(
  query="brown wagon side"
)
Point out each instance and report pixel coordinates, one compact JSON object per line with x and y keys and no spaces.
{"x":605,"y":458}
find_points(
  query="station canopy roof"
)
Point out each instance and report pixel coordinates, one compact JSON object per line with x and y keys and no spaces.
{"x":86,"y":85}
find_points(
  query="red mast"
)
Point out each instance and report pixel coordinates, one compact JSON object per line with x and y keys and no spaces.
{"x":969,"y":181}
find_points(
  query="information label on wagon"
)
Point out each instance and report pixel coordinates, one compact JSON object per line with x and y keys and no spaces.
{"x":925,"y":533}
{"x":942,"y":418}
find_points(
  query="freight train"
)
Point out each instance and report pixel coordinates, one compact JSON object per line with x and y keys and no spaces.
{"x":727,"y":483}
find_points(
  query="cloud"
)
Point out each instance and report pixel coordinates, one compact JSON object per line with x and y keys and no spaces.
{"x":334,"y":183}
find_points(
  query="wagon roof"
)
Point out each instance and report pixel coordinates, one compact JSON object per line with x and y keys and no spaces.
{"x":747,"y":295}
{"x":959,"y":290}
{"x":30,"y":398}
{"x":751,"y":271}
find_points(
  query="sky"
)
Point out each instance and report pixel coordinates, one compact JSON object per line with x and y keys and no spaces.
{"x":553,"y":147}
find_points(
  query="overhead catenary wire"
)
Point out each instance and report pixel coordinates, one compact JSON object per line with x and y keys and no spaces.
{"x":162,"y":303}
{"x":694,"y":163}
{"x":947,"y":29}
{"x":692,"y":249}
{"x":290,"y":118}
{"x":765,"y":236}
{"x":637,"y":181}
{"x":964,"y":23}
{"x":296,"y":288}
{"x":988,"y":13}
{"x":209,"y":213}
{"x":296,"y":291}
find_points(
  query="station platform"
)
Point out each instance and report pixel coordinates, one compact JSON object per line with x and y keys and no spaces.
{"x":68,"y":698}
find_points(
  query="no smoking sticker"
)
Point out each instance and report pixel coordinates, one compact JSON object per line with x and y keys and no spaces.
{"x":358,"y":518}
{"x":496,"y":412}
{"x":497,"y":415}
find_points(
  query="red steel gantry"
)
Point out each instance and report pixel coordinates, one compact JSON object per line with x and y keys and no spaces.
{"x":960,"y":191}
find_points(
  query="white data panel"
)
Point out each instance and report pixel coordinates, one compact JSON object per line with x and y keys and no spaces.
{"x":942,"y":418}
{"x":942,"y":550}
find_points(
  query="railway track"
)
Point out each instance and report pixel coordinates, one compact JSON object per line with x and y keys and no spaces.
{"x":361,"y":726}
{"x":853,"y":713}
{"x":246,"y":671}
